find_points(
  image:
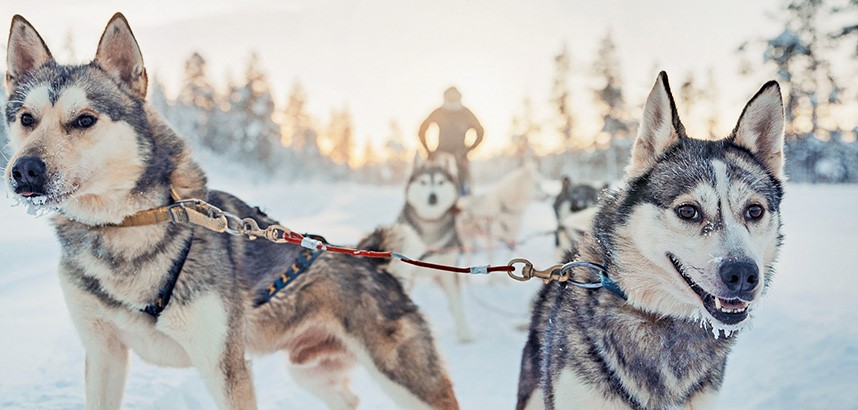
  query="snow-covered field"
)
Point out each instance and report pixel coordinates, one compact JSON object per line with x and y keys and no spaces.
{"x":801,"y":353}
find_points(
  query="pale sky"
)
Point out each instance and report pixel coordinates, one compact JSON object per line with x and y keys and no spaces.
{"x":392,"y":59}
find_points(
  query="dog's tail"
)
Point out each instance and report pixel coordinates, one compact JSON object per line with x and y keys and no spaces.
{"x":380,"y":240}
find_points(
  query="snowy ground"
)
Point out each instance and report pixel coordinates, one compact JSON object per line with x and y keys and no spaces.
{"x":801,"y":353}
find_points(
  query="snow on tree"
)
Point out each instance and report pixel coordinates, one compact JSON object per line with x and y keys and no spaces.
{"x":196,"y":103}
{"x":257,"y":141}
{"x":298,"y":130}
{"x":158,"y":100}
{"x":800,"y":54}
{"x":609,"y":93}
{"x":395,"y":154}
{"x":689,"y":96}
{"x":560,"y":97}
{"x":709,"y":96}
{"x":524,"y":128}
{"x":68,"y":49}
{"x":339,"y":136}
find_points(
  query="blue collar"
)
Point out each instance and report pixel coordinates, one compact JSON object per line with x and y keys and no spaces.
{"x":605,"y":282}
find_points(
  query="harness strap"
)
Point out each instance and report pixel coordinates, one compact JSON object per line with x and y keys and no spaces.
{"x":302,"y":262}
{"x":184,"y":211}
{"x":194,"y":212}
{"x":155,"y":308}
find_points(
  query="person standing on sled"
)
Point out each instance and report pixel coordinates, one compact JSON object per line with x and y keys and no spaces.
{"x":454,"y":121}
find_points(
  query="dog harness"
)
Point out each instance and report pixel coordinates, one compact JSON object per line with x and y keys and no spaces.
{"x":155,"y":308}
{"x":302,"y":262}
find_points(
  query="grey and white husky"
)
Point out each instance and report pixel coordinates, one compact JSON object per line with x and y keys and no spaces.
{"x":690,"y":238}
{"x":426,"y":229}
{"x":87,"y":144}
{"x":574,"y":209}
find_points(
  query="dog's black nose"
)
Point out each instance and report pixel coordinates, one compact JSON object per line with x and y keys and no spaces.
{"x":433,"y":199}
{"x":29,"y":175}
{"x":740,"y":275}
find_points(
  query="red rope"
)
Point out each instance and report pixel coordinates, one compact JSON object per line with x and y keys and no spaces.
{"x":298,"y":239}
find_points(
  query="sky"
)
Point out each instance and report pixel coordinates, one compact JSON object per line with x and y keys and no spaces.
{"x":391,"y":59}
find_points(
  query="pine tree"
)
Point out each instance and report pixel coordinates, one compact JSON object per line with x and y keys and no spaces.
{"x":395,"y":152}
{"x":196,"y":103}
{"x":560,"y":96}
{"x":68,"y":48}
{"x":710,"y":97}
{"x":298,"y":130}
{"x":609,"y":95}
{"x":158,"y":99}
{"x":798,"y":54}
{"x":339,"y":136}
{"x":689,"y":97}
{"x":258,"y":139}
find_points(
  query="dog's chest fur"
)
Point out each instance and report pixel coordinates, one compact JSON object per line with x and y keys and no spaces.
{"x":435,"y":233}
{"x":597,"y":341}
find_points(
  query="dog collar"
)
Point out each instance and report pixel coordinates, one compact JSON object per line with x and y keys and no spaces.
{"x":605,"y":282}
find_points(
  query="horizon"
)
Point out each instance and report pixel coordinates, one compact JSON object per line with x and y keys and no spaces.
{"x":389,"y":61}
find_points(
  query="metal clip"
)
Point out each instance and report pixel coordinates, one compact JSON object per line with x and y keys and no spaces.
{"x":234,"y":225}
{"x":553,"y":273}
{"x":276,"y":233}
{"x":250,"y":227}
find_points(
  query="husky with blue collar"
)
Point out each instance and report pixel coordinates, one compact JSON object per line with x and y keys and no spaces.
{"x":690,"y":238}
{"x":87,"y":145}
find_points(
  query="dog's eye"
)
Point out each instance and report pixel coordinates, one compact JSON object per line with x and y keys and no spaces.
{"x":27,"y":119}
{"x":754,"y":212}
{"x":84,"y":121}
{"x":688,"y":212}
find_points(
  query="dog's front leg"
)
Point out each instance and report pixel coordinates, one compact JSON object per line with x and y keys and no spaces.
{"x":214,"y":340}
{"x":106,"y":366}
{"x":106,"y":356}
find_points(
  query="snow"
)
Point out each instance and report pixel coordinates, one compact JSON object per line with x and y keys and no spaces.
{"x":801,"y":350}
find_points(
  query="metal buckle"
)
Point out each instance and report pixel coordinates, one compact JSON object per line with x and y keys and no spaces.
{"x":171,"y":210}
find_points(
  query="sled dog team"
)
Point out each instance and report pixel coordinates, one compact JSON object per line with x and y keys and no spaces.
{"x":689,"y":236}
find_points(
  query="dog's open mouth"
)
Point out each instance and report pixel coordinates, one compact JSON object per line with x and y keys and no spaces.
{"x":727,"y":311}
{"x":42,"y":199}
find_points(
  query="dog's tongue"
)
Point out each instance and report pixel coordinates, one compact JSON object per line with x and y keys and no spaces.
{"x":27,"y":194}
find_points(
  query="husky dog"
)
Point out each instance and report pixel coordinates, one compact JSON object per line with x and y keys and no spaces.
{"x":496,"y":215}
{"x":574,"y":208}
{"x":426,"y":229}
{"x":87,"y":144}
{"x":690,"y":238}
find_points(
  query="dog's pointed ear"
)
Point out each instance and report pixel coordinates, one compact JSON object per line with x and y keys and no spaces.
{"x":449,"y":164}
{"x":660,"y":128}
{"x":26,"y":51}
{"x":565,"y":184}
{"x":418,"y":161}
{"x":761,"y":128}
{"x":119,"y":55}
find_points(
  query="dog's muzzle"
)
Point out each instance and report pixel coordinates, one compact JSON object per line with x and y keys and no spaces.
{"x":29,"y":176}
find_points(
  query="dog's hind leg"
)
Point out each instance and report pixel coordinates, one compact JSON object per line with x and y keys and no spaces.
{"x":393,"y":341}
{"x":402,"y":358}
{"x":323,"y":370}
{"x":320,"y":363}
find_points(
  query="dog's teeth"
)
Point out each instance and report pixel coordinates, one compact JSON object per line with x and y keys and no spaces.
{"x":718,"y":303}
